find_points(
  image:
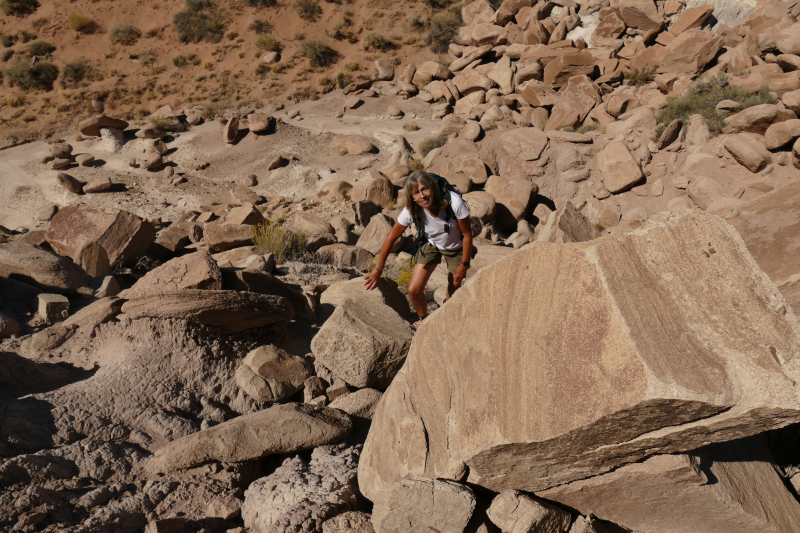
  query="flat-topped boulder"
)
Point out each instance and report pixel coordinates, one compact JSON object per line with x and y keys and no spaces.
{"x":194,"y":271}
{"x":596,"y":355}
{"x":91,"y":126}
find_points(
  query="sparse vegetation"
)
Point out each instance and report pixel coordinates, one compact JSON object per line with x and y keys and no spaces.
{"x":261,"y":3}
{"x":199,"y":22}
{"x":415,"y":23}
{"x":262,"y":70}
{"x":8,"y":40}
{"x":410,"y":126}
{"x":40,"y":48}
{"x":283,"y":243}
{"x":378,"y":42}
{"x":124,"y":33}
{"x":415,"y":164}
{"x":431,"y":143}
{"x":317,"y":52}
{"x":268,"y":43}
{"x":6,"y":55}
{"x":15,"y":100}
{"x":308,"y":10}
{"x":179,"y":60}
{"x":260,"y":26}
{"x":25,"y":37}
{"x":586,"y":128}
{"x":340,"y":30}
{"x":40,"y":75}
{"x":641,"y":76}
{"x":443,"y":29}
{"x":19,"y":8}
{"x":81,"y":23}
{"x":77,"y":71}
{"x":703,"y":97}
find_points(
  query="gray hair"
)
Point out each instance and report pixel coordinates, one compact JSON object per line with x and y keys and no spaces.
{"x":422,"y":177}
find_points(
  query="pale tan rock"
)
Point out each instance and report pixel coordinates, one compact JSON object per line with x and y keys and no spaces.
{"x":373,"y":187}
{"x":430,"y":70}
{"x":364,"y":343}
{"x":351,"y":144}
{"x":782,"y":133}
{"x":152,"y":162}
{"x":470,"y":81}
{"x":514,"y":511}
{"x":670,"y":134}
{"x":704,"y":191}
{"x":748,"y":151}
{"x":338,"y":191}
{"x":95,"y":314}
{"x":220,"y":237}
{"x":566,"y":224}
{"x":468,"y":103}
{"x":691,"y":18}
{"x":415,"y":505}
{"x":150,"y":131}
{"x":481,"y":205}
{"x":641,"y":118}
{"x":476,"y":12}
{"x":40,"y":268}
{"x":234,"y":311}
{"x":690,"y":52}
{"x":231,"y":130}
{"x":386,"y":293}
{"x":756,"y":119}
{"x":280,"y":429}
{"x":697,"y":134}
{"x":84,"y":160}
{"x":194,"y":271}
{"x":641,"y":14}
{"x":352,"y":256}
{"x":8,"y":326}
{"x":513,"y":197}
{"x":526,"y":144}
{"x":611,"y":26}
{"x":791,"y":100}
{"x":360,"y":404}
{"x":469,"y":58}
{"x":91,"y":126}
{"x":69,"y":183}
{"x":563,"y":441}
{"x":384,"y":70}
{"x":53,"y":308}
{"x":787,"y":40}
{"x":486,"y":33}
{"x":376,"y":232}
{"x":736,"y":489}
{"x":60,"y":150}
{"x":351,"y":521}
{"x":98,"y":184}
{"x":268,"y":374}
{"x":619,"y":168}
{"x":567,"y":65}
{"x":317,"y":232}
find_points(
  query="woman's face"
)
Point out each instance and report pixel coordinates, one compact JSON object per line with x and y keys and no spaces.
{"x":422,"y":195}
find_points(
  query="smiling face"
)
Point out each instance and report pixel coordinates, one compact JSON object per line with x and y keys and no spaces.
{"x":422,"y":195}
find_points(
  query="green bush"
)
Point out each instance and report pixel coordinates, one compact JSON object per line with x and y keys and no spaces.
{"x":195,"y":24}
{"x":124,"y":33}
{"x":261,"y":3}
{"x":260,"y":26}
{"x":307,"y":9}
{"x":702,"y":99}
{"x":410,"y":126}
{"x":81,"y":23}
{"x":77,"y":71}
{"x":431,"y":143}
{"x":641,"y":76}
{"x":40,"y":48}
{"x":318,"y":53}
{"x":40,"y":75}
{"x":18,"y":8}
{"x":378,"y":42}
{"x":268,"y":43}
{"x":444,"y":27}
{"x":8,"y":40}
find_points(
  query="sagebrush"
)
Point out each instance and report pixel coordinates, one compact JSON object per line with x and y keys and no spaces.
{"x":81,"y":23}
{"x":443,"y":29}
{"x":199,"y":22}
{"x":124,"y":33}
{"x":40,"y":48}
{"x":40,"y":75}
{"x":18,"y":8}
{"x":431,"y":143}
{"x":308,"y":10}
{"x":285,"y":244}
{"x":317,"y":52}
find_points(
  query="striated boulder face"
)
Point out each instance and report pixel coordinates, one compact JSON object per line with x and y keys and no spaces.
{"x":39,"y":267}
{"x":565,"y":361}
{"x":193,"y":271}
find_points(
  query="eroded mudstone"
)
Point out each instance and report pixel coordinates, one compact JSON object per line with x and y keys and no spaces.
{"x":663,"y":321}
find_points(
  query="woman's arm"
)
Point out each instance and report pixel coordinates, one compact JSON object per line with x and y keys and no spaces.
{"x":466,"y":230}
{"x":371,"y":279}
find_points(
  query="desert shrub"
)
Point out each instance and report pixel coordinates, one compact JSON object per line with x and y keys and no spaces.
{"x":342,"y":80}
{"x":40,"y":48}
{"x":81,"y":23}
{"x":415,"y":23}
{"x":77,"y":71}
{"x":318,"y":53}
{"x":260,"y":26}
{"x":179,"y":60}
{"x":8,"y":40}
{"x":431,"y":143}
{"x":415,"y":164}
{"x":232,"y":35}
{"x":6,"y":55}
{"x":437,"y":5}
{"x":268,"y":43}
{"x":702,"y":99}
{"x":261,"y":70}
{"x":304,"y":93}
{"x":586,"y":128}
{"x":25,"y":37}
{"x":283,"y":243}
{"x":340,"y":30}
{"x":352,"y":66}
{"x":410,"y":126}
{"x":641,"y":76}
{"x":18,"y":8}
{"x":124,"y":33}
{"x":261,"y":3}
{"x":22,"y":74}
{"x":443,"y":29}
{"x":307,"y":9}
{"x":199,"y":22}
{"x":378,"y":42}
{"x":15,"y":100}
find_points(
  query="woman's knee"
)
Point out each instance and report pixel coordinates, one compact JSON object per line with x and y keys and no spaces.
{"x":415,"y":291}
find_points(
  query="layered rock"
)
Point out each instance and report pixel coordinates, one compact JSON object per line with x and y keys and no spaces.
{"x":656,"y":364}
{"x":39,"y":267}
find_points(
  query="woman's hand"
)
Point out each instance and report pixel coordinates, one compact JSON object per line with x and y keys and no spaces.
{"x":371,"y":279}
{"x":459,"y":275}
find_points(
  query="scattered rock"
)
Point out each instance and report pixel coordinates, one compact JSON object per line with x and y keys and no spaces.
{"x":53,"y":308}
{"x":231,"y":131}
{"x":268,"y":374}
{"x":40,"y":268}
{"x":749,"y":152}
{"x":512,"y":510}
{"x":69,"y":183}
{"x":420,"y":504}
{"x":91,"y":127}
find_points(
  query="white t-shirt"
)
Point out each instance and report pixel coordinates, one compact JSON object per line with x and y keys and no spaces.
{"x":434,"y":227}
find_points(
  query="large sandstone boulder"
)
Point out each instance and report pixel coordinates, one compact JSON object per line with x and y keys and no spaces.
{"x":619,"y":167}
{"x":123,"y":235}
{"x":385,"y":293}
{"x":514,"y":511}
{"x":748,"y":151}
{"x":249,"y":280}
{"x":641,"y":14}
{"x":364,"y":343}
{"x":234,"y":311}
{"x":317,"y":232}
{"x":757,"y":119}
{"x":280,"y":429}
{"x":416,"y":505}
{"x":194,"y":271}
{"x":351,"y":144}
{"x":566,"y":224}
{"x":220,"y":236}
{"x":38,"y":267}
{"x":373,"y":187}
{"x":735,"y":489}
{"x":662,"y":323}
{"x":782,"y":133}
{"x":268,"y":374}
{"x":375,"y":233}
{"x":513,"y":198}
{"x":690,"y":52}
{"x":565,"y":66}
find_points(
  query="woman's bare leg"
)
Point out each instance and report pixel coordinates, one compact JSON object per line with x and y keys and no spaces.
{"x":416,"y":287}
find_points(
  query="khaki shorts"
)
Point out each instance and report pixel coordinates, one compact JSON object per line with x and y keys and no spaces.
{"x":431,"y":255}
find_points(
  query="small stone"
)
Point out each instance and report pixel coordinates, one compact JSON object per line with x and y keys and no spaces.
{"x":294,"y":113}
{"x":250,"y":181}
{"x":46,"y":212}
{"x":394,"y":111}
{"x":167,"y":173}
{"x":109,"y":287}
{"x":339,"y":388}
{"x":84,"y":160}
{"x":53,"y":308}
{"x":69,"y":183}
{"x":98,"y":185}
{"x":60,"y":163}
{"x":153,"y":161}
